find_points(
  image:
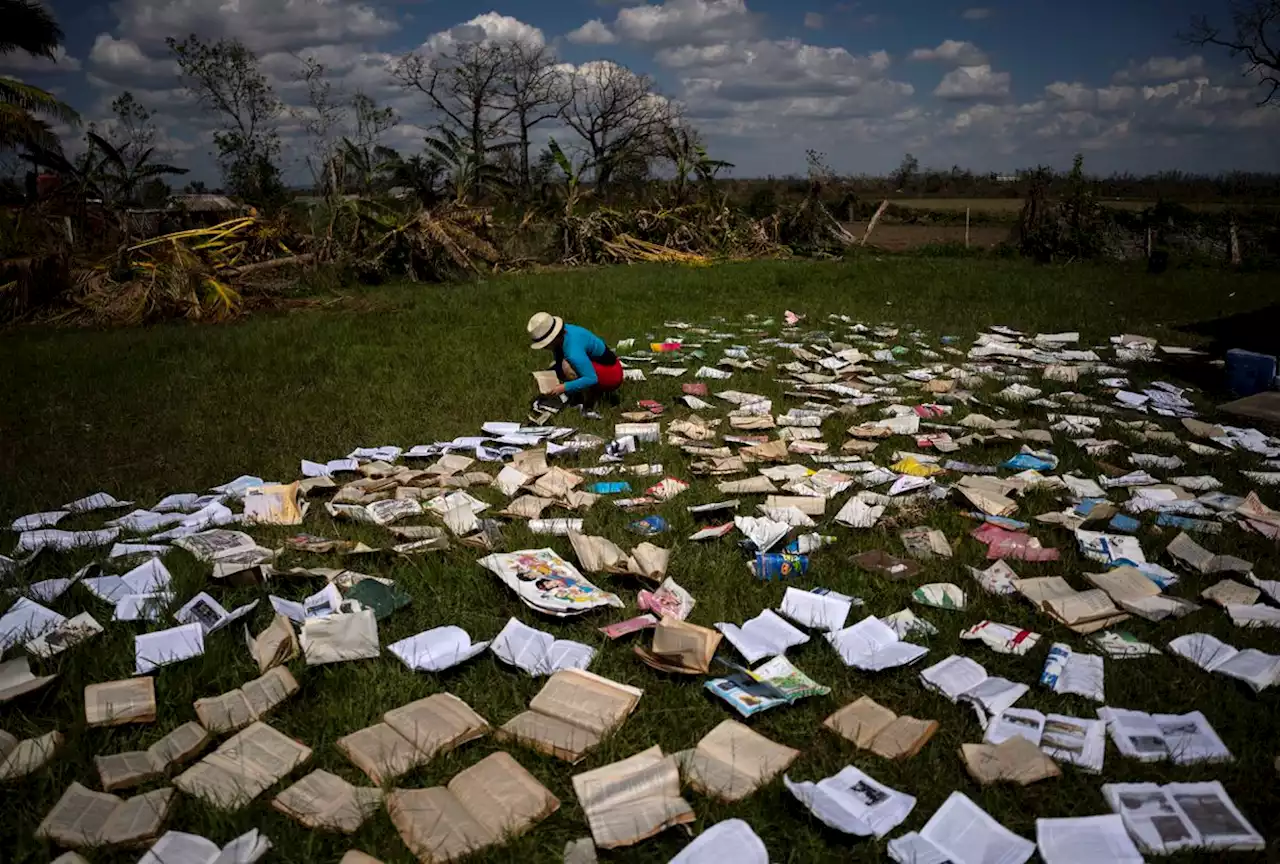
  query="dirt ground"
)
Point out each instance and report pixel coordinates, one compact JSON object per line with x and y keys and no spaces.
{"x":896,"y":238}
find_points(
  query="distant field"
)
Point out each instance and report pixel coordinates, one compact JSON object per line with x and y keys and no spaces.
{"x":1012,"y":205}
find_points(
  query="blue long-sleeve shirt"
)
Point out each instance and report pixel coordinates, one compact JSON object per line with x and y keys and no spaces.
{"x":579,"y":348}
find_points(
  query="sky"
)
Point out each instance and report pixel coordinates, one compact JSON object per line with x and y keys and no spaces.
{"x":992,"y":87}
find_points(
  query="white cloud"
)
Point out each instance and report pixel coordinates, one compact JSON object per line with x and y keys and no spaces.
{"x":489,"y":27}
{"x":21,"y":61}
{"x":953,"y":52}
{"x":977,"y":13}
{"x":973,"y":82}
{"x":814,"y":20}
{"x":687,"y":22}
{"x":594,"y":32}
{"x":263,"y":25}
{"x":1161,"y":69}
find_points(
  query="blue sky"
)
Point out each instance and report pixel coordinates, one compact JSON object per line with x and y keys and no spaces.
{"x":988,"y":84}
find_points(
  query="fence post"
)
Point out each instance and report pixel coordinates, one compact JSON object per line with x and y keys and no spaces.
{"x":1235,"y":244}
{"x":1148,"y":241}
{"x":966,"y":227}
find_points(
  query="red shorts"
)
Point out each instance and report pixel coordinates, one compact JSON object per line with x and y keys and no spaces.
{"x":608,"y":378}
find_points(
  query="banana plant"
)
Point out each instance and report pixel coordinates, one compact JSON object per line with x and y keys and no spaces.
{"x":119,"y":176}
{"x":688,"y":155}
{"x":468,"y":175}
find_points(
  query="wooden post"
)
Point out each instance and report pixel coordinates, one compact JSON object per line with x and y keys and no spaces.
{"x":1235,"y":244}
{"x":874,"y":219}
{"x":1148,"y":241}
{"x":966,"y":227}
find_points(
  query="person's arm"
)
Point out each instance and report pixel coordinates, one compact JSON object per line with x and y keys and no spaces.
{"x":578,"y":358}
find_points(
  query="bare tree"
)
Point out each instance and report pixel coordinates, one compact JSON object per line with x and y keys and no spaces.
{"x":533,"y":86}
{"x":1257,"y":38}
{"x":617,"y":115}
{"x":225,"y":78}
{"x":323,"y":121}
{"x":462,"y":86}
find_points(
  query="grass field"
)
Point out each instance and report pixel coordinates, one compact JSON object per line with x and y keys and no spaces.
{"x":1013,"y":205}
{"x":145,"y":412}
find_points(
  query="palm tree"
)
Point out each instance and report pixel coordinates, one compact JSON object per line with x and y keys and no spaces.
{"x":26,"y":25}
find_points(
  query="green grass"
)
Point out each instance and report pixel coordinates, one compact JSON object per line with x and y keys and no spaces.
{"x":144,"y":412}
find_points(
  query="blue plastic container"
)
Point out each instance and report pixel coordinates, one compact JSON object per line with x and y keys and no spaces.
{"x":1249,"y":373}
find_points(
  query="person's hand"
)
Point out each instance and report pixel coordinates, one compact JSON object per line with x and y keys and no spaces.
{"x":557,"y":390}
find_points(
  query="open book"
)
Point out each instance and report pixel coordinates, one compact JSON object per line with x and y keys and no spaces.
{"x":175,"y":847}
{"x":629,"y":801}
{"x":1086,"y":838}
{"x":1016,"y":759}
{"x":84,"y":818}
{"x":1164,"y":819}
{"x":1133,"y":592}
{"x":480,"y":807}
{"x":872,"y":645}
{"x":871,"y":726}
{"x":210,"y":614}
{"x":325,"y":802}
{"x":732,"y":761}
{"x":1067,"y":671}
{"x":238,"y":708}
{"x":341,"y":637}
{"x":1184,"y":738}
{"x":961,"y":832}
{"x":436,"y":649}
{"x":571,"y":714}
{"x":854,"y":803}
{"x":1075,"y":740}
{"x":132,"y":700}
{"x":961,"y":679}
{"x":1256,"y":668}
{"x":820,"y":611}
{"x":20,"y":758}
{"x":730,"y":840}
{"x":680,"y":647}
{"x":538,"y":652}
{"x":246,"y":765}
{"x":765,"y":635}
{"x":277,"y":644}
{"x":16,"y":678}
{"x":412,"y":735}
{"x":122,"y":770}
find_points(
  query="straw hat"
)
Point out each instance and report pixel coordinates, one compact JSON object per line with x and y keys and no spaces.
{"x":543,"y":329}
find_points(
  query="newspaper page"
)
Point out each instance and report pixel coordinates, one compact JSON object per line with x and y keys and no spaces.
{"x":243,"y":767}
{"x":325,"y":802}
{"x":854,"y":803}
{"x":132,"y":700}
{"x":1087,"y":838}
{"x":732,"y":761}
{"x":632,"y":800}
{"x":22,"y":758}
